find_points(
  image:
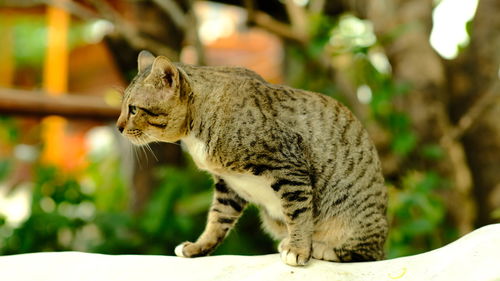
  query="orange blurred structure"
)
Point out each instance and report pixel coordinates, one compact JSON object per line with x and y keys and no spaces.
{"x":55,"y":82}
{"x":6,"y":50}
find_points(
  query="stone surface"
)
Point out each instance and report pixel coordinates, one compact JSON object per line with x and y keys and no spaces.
{"x":475,"y":257}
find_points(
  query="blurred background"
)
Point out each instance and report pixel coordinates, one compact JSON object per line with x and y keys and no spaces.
{"x":422,"y":75}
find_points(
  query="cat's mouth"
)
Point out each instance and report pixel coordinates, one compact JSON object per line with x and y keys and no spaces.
{"x":138,"y":137}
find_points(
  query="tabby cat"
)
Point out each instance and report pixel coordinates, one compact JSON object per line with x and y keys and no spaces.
{"x":302,"y":157}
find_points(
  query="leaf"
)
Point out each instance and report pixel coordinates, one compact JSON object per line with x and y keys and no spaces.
{"x":194,"y":204}
{"x":5,"y":168}
{"x":495,"y":214}
{"x":432,"y":152}
{"x":404,"y":143}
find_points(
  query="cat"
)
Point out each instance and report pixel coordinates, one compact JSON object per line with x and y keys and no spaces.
{"x":302,"y":157}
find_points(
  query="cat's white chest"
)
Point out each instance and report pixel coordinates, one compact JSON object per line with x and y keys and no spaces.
{"x":254,"y":189}
{"x":198,"y":151}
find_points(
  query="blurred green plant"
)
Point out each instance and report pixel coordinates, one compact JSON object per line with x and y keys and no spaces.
{"x":91,"y":213}
{"x":417,"y":214}
{"x":29,"y":35}
{"x":9,"y":133}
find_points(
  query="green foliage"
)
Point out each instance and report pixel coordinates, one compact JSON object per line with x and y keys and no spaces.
{"x":91,"y":213}
{"x":495,"y":214}
{"x":9,"y":131}
{"x":352,"y":34}
{"x":9,"y":134}
{"x":320,"y":30}
{"x":432,"y":152}
{"x":303,"y":72}
{"x":30,"y":37}
{"x":5,"y":168}
{"x":417,"y":215}
{"x":55,"y":203}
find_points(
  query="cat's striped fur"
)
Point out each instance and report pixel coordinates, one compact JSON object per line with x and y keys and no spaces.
{"x":301,"y":156}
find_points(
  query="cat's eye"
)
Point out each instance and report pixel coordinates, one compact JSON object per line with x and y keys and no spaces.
{"x":132,"y":109}
{"x":149,"y":112}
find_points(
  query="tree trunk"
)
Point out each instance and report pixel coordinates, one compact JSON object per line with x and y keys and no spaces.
{"x":473,"y":78}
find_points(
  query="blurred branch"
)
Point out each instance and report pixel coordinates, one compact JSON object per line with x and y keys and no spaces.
{"x":455,"y":150}
{"x":298,"y":18}
{"x":459,"y":171}
{"x":38,"y":103}
{"x":317,"y":6}
{"x":471,"y":116}
{"x":19,"y":3}
{"x":72,"y":7}
{"x":174,"y":11}
{"x":268,"y":23}
{"x":187,"y":22}
{"x":195,"y":36}
{"x":126,"y":29}
{"x":130,"y":32}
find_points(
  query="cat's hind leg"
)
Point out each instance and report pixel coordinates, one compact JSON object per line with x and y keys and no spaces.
{"x":226,"y":208}
{"x":367,"y":242}
{"x":323,"y":251}
{"x":330,"y":242}
{"x":329,"y":235}
{"x":358,"y":251}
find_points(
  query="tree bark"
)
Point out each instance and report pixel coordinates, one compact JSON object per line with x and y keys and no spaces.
{"x":473,"y":77}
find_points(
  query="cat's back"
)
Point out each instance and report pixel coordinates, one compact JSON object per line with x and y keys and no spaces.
{"x":316,"y":117}
{"x":254,"y":107}
{"x":218,"y":74}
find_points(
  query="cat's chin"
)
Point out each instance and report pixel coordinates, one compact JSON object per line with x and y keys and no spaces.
{"x":140,"y":141}
{"x":145,"y":140}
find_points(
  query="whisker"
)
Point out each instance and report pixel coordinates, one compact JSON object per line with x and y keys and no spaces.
{"x":130,"y":147}
{"x":152,"y":152}
{"x":136,"y":154}
{"x":143,"y":150}
{"x":148,"y":146}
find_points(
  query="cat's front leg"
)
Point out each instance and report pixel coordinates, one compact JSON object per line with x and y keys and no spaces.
{"x":226,"y":208}
{"x":296,"y":195}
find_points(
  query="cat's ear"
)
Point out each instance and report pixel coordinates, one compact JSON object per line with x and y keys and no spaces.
{"x":164,"y":69}
{"x":144,"y":60}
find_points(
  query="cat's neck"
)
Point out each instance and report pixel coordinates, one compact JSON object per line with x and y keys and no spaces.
{"x":200,"y":97}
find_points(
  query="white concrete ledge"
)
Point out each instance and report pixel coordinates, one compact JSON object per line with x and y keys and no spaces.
{"x":475,"y":257}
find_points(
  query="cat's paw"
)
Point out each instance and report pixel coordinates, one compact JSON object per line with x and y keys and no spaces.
{"x":323,"y":251}
{"x":190,"y":250}
{"x":293,"y":255}
{"x":179,"y":250}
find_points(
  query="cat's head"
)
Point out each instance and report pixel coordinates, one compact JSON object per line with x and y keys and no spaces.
{"x":153,"y":106}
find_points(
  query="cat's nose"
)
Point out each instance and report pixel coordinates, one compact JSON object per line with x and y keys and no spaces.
{"x":120,"y":124}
